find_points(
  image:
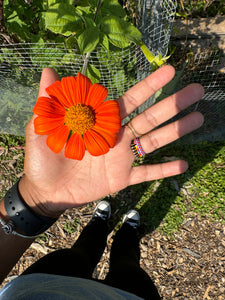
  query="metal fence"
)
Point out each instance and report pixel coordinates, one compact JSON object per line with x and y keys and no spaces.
{"x":206,"y":67}
{"x":21,"y":66}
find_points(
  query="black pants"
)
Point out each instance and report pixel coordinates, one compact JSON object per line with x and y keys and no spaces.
{"x":81,"y":259}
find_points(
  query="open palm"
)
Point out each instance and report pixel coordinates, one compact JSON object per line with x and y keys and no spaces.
{"x":54,"y":183}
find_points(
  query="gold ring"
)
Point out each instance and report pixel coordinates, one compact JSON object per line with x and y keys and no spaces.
{"x":133,"y":131}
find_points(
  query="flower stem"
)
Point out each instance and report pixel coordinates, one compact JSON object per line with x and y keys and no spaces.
{"x":97,"y":9}
{"x":86,"y":60}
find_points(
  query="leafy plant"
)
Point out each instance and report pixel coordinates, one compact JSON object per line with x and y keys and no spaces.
{"x":90,"y":25}
{"x":86,"y":25}
{"x":23,"y":21}
{"x":97,"y":29}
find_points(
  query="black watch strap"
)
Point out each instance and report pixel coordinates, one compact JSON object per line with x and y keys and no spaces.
{"x":22,"y":216}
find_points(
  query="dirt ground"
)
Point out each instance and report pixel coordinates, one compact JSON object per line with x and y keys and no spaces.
{"x":188,"y":265}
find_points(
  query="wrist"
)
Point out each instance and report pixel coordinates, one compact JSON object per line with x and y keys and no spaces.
{"x":3,"y":213}
{"x":35,"y":200}
{"x":22,"y":217}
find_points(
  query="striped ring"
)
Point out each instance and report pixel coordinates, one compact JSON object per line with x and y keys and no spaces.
{"x":136,"y":148}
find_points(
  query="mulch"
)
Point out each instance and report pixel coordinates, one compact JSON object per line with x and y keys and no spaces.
{"x":188,"y":265}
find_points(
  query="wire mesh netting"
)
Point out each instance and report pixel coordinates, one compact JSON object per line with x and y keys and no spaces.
{"x":21,"y":64}
{"x":207,"y":67}
{"x":156,"y":24}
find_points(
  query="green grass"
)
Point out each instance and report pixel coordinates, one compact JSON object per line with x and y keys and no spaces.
{"x":166,"y":203}
{"x":7,"y":141}
{"x":71,"y":227}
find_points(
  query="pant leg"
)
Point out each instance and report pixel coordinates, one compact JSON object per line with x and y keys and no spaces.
{"x":125,"y":271}
{"x":81,"y":259}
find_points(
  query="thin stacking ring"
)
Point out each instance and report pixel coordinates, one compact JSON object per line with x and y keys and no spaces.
{"x":134,"y":132}
{"x":137,"y":148}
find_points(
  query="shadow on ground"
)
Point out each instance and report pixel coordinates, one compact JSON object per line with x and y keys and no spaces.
{"x":163,"y":194}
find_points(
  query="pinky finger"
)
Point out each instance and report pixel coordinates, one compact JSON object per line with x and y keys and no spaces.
{"x":157,"y":171}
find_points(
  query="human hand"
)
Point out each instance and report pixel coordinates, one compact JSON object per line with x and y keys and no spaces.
{"x":53,"y":183}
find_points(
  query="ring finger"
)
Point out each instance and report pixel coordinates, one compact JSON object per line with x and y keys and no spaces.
{"x":171,"y":132}
{"x":165,"y":109}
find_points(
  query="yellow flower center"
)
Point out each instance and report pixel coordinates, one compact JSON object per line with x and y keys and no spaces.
{"x":79,"y":118}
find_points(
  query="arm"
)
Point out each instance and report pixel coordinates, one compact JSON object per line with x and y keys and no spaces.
{"x":11,"y":247}
{"x":53,"y":183}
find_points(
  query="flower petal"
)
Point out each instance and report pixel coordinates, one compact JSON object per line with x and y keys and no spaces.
{"x":97,"y":94}
{"x":56,"y":92}
{"x":95,"y":144}
{"x":108,"y":107}
{"x":69,"y":86}
{"x":108,"y":116}
{"x":75,"y":148}
{"x":48,"y":108}
{"x":43,"y":125}
{"x":112,"y":123}
{"x":109,"y":137}
{"x":57,"y":140}
{"x":82,"y":88}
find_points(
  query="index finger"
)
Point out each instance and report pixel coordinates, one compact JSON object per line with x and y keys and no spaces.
{"x":140,"y":92}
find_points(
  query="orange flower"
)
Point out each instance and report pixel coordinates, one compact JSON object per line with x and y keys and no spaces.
{"x":76,"y":116}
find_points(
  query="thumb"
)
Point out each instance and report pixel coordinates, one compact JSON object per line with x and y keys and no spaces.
{"x":48,"y":77}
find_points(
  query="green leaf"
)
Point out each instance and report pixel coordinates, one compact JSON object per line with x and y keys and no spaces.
{"x":120,"y":32}
{"x":82,"y":3}
{"x":52,"y":2}
{"x":112,"y":8}
{"x":105,"y":42}
{"x":88,"y":20}
{"x":19,"y":28}
{"x":63,"y":18}
{"x":182,"y":14}
{"x":93,"y":73}
{"x":93,"y":3}
{"x":88,"y":40}
{"x":71,"y":42}
{"x":170,"y":87}
{"x":118,"y":40}
{"x":84,"y":10}
{"x":132,"y":33}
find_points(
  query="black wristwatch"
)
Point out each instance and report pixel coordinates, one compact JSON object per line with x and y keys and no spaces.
{"x":21,"y":215}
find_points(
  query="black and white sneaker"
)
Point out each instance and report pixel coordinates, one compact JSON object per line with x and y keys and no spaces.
{"x":132,"y":218}
{"x":102,"y":210}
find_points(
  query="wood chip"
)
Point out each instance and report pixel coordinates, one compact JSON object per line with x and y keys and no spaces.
{"x":206,"y":295}
{"x":39,"y":248}
{"x":192,"y":253}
